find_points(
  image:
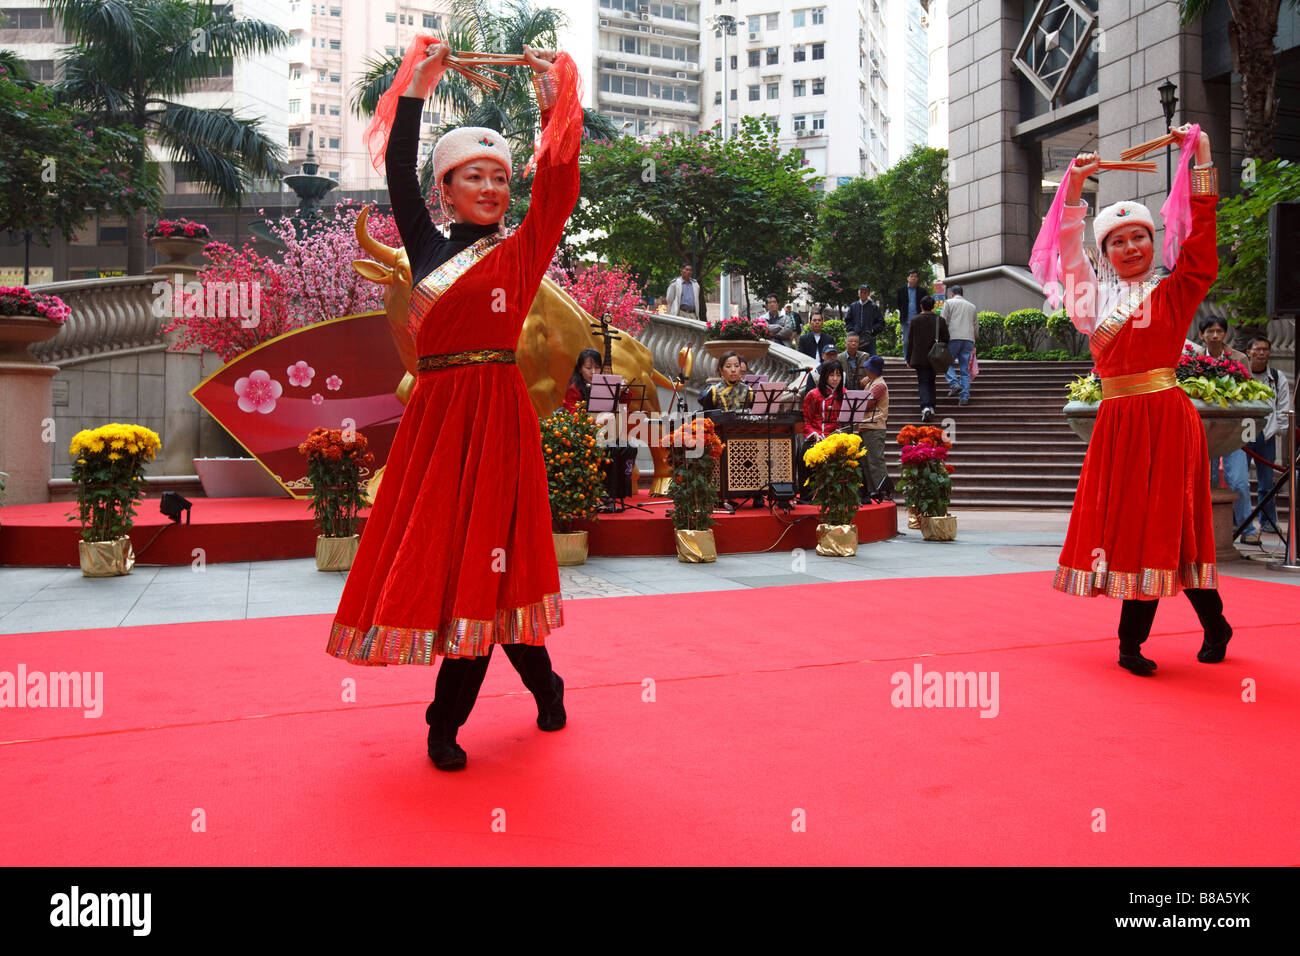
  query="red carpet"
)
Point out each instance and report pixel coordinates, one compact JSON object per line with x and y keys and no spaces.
{"x":269,"y":529}
{"x":761,"y":712}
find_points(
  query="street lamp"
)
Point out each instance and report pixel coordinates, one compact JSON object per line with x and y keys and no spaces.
{"x":724,"y":26}
{"x":1170,"y":103}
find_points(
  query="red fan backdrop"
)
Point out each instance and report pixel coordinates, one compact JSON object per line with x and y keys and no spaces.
{"x":331,"y":374}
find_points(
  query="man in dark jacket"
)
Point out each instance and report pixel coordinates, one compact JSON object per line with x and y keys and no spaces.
{"x":927,"y":328}
{"x":865,"y":318}
{"x":813,"y":341}
{"x":908,"y":302}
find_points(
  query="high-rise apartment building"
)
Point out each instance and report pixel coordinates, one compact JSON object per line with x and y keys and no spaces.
{"x":909,"y":76}
{"x":935,"y":22}
{"x":816,"y":70}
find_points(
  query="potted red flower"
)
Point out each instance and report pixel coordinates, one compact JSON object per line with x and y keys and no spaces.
{"x":178,"y":239}
{"x":338,"y":462}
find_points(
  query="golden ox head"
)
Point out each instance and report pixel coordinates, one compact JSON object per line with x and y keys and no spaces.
{"x":393,"y":272}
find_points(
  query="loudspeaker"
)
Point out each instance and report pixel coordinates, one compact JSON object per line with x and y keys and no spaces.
{"x":1283,"y":254}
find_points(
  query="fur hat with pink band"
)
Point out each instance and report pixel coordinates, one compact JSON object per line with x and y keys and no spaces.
{"x":1126,"y":213}
{"x":466,"y":144}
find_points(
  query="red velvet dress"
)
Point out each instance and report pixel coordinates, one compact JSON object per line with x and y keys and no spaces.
{"x":457,"y":552}
{"x":1141,"y":525}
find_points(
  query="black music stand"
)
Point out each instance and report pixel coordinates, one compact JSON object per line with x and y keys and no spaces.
{"x":766,"y":403}
{"x":607,"y":395}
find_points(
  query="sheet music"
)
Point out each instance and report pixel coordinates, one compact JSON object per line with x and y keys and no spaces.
{"x":603,"y":389}
{"x":854,"y":408}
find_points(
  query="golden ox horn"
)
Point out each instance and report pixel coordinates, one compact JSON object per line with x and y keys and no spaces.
{"x":371,"y":246}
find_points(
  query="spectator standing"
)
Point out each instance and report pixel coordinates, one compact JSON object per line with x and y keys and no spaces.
{"x":865,"y":318}
{"x":875,"y":479}
{"x":684,"y":294}
{"x":853,"y":361}
{"x":1266,"y":444}
{"x":908,"y":301}
{"x":927,"y":328}
{"x":812,"y":342}
{"x":1236,"y":467}
{"x":963,"y":323}
{"x":780,"y":328}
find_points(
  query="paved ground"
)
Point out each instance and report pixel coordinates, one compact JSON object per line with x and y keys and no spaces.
{"x":989,"y":542}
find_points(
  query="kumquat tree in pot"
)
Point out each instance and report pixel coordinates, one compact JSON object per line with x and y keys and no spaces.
{"x":575,"y":478}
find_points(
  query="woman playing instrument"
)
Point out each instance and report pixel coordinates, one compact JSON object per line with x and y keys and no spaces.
{"x":457,"y":554}
{"x":730,"y":394}
{"x":1140,"y":528}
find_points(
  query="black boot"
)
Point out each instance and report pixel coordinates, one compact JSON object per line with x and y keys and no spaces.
{"x":533,"y":663}
{"x":445,"y":753}
{"x":1216,"y":631}
{"x":550,"y":714}
{"x":1134,"y":627}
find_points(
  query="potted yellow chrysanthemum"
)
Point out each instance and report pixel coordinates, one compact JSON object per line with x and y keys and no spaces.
{"x":834,"y":482}
{"x":108,"y":467}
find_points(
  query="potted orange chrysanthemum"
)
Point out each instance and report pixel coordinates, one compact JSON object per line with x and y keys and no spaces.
{"x":338,"y":463}
{"x":693,"y":453}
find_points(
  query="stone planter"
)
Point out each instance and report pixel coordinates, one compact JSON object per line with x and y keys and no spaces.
{"x":178,"y":250}
{"x":570,"y":548}
{"x":749,"y":351}
{"x":26,"y":400}
{"x":336,"y":554}
{"x":837,"y":540}
{"x":941,"y":528}
{"x":106,"y":559}
{"x":696,"y":547}
{"x":1223,"y":426}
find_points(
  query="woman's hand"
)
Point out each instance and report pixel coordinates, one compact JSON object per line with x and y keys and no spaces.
{"x":1085,"y":165}
{"x":428,"y":69}
{"x":539,"y":60}
{"x":1203,"y":154}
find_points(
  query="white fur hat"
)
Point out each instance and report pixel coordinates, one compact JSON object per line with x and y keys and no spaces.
{"x":1126,"y":213}
{"x":460,"y":146}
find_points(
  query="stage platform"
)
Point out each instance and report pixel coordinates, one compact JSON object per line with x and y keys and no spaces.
{"x":268,"y":529}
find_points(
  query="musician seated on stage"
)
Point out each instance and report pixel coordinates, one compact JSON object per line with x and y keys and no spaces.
{"x":584,"y":370}
{"x":821,"y":406}
{"x":731,"y":394}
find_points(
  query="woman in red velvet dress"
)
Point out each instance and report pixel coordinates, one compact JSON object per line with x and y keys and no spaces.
{"x":457,"y":554}
{"x":1141,"y":528}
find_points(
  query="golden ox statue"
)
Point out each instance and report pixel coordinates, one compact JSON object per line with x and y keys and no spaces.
{"x":555,"y":331}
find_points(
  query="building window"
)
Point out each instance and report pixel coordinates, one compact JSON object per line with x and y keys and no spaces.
{"x":391,"y":50}
{"x":774,"y":21}
{"x":818,"y":15}
{"x":800,"y":123}
{"x":773,"y":124}
{"x":297,"y":73}
{"x":755,"y":24}
{"x":717,"y":98}
{"x":818,"y":86}
{"x":321,"y":77}
{"x":335,"y":45}
{"x":432,"y":21}
{"x":733,"y":96}
{"x":295,"y":137}
{"x":334,"y":142}
{"x":390,"y":17}
{"x":733,"y":62}
{"x":819,"y":123}
{"x":335,"y":111}
{"x":799,"y":16}
{"x":336,"y":78}
{"x":800,"y":87}
{"x":29,"y":20}
{"x":773,"y":54}
{"x":800,"y":54}
{"x":336,"y":11}
{"x":717,"y":64}
{"x":753,"y":93}
{"x":334,"y":176}
{"x":432,"y":117}
{"x":754,"y":57}
{"x":819,"y":51}
{"x":774,"y":91}
{"x":295,"y":106}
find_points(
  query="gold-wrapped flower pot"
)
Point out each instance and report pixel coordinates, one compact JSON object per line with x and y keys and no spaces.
{"x":941,"y":528}
{"x":336,"y":554}
{"x":696,"y":547}
{"x":570,"y":549}
{"x":106,"y":559}
{"x":837,"y":540}
{"x":913,"y":521}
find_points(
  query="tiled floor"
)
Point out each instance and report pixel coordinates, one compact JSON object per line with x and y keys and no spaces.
{"x":48,"y":599}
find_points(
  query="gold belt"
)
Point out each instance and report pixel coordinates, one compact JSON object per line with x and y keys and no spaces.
{"x":429,"y":363}
{"x":1139,"y":383}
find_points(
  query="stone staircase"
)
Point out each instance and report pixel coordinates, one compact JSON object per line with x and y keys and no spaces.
{"x":1011,"y":446}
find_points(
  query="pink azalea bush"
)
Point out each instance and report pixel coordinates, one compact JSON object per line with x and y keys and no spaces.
{"x":177,"y":228}
{"x":19,"y":300}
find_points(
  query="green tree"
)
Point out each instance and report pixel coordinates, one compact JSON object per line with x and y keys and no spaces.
{"x":131,"y":59}
{"x":57,"y":168}
{"x":851,"y":245}
{"x":1243,"y":234}
{"x":739,"y":205}
{"x":1251,"y":30}
{"x":511,"y":110}
{"x":916,"y":207}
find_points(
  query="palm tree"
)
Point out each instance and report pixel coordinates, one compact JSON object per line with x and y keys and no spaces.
{"x":131,"y":59}
{"x":511,"y":110}
{"x":1251,"y":30}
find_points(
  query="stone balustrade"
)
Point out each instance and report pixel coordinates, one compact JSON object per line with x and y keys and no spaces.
{"x":108,"y":315}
